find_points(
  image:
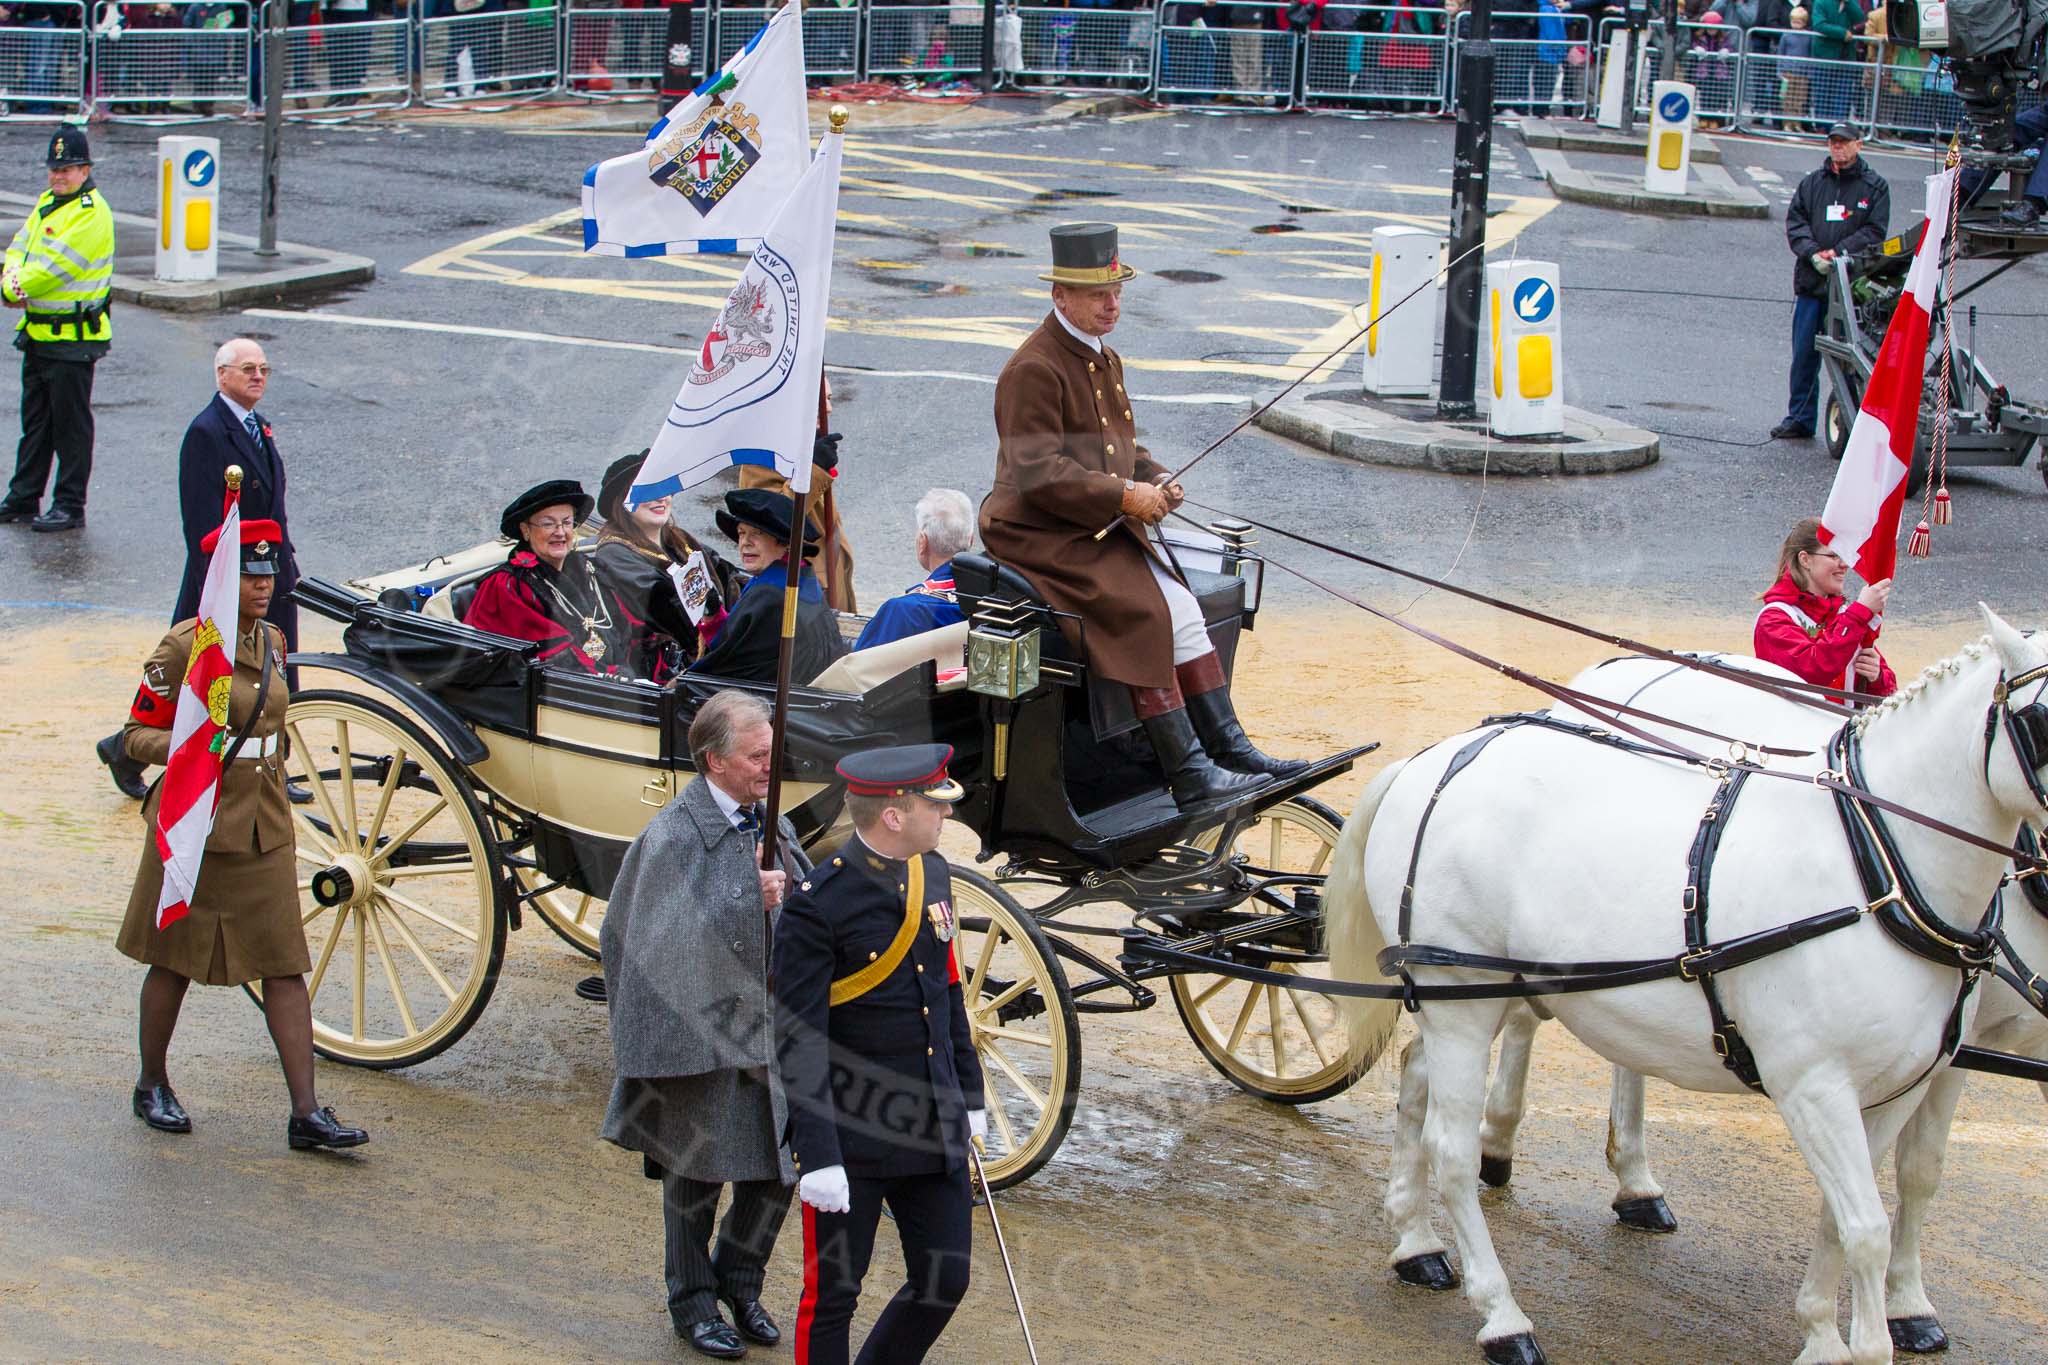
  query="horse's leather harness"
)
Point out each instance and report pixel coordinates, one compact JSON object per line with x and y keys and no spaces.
{"x":1893,"y":898}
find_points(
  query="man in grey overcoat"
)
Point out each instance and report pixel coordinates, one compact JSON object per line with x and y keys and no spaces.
{"x":686,"y":943}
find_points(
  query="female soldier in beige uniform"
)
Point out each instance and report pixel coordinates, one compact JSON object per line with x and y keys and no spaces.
{"x":243,"y":923}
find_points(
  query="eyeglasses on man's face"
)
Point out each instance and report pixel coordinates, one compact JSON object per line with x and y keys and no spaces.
{"x":252,"y":370}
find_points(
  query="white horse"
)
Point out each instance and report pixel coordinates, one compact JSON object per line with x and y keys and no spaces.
{"x":2004,"y":1021}
{"x":1551,"y":847}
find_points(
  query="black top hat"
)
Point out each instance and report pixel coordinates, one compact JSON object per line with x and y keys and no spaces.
{"x":1084,"y":254}
{"x":905,"y":770}
{"x":618,"y":481}
{"x":549,"y":494}
{"x":68,"y":147}
{"x":766,"y":511}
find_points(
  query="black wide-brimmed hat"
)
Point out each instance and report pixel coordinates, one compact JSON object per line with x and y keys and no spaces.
{"x":68,"y":147}
{"x":541,"y":495}
{"x":1084,"y":254}
{"x":766,"y":511}
{"x":618,"y":481}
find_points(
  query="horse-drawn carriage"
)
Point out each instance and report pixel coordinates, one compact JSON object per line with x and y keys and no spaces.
{"x":457,"y":785}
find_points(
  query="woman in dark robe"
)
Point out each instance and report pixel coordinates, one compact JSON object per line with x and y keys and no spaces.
{"x":758,"y":520}
{"x":639,"y":556}
{"x":548,"y":591}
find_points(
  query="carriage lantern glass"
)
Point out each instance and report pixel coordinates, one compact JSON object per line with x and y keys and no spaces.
{"x":1002,"y":661}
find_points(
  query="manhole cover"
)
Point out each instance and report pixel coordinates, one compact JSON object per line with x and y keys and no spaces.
{"x":1187,"y":276}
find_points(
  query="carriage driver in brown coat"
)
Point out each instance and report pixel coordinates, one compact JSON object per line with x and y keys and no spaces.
{"x":1067,"y":463}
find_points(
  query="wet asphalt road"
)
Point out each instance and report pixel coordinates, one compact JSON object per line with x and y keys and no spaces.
{"x":402,"y":443}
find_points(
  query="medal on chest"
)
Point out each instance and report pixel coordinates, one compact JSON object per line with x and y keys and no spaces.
{"x":944,"y":923}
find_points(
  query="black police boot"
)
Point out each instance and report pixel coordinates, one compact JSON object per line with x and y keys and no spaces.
{"x":1201,"y":682}
{"x":10,"y":513}
{"x":59,"y":519}
{"x":1191,"y":775}
{"x":126,"y":771}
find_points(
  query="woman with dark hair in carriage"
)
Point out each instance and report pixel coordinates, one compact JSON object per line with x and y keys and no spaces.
{"x":548,"y":591}
{"x":644,"y":559}
{"x":1807,"y":626}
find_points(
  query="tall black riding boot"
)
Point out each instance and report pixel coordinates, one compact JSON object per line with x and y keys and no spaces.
{"x":127,"y":772}
{"x":1208,"y":699}
{"x":1190,"y":775}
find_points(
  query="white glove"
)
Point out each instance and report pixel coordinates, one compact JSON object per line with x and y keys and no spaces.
{"x":977,"y":1124}
{"x":826,"y":1190}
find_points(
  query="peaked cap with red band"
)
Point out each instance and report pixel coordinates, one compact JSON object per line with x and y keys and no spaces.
{"x":906,"y":770}
{"x":262,"y":545}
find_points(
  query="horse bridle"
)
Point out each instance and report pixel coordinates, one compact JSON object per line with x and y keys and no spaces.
{"x":2026,"y":728}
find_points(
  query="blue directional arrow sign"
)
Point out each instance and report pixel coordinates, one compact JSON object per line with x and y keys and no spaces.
{"x":1534,"y":300}
{"x":1674,"y":106}
{"x":199,"y":168}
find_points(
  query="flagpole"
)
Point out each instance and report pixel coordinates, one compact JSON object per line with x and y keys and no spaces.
{"x":826,"y":561}
{"x":785,"y":655}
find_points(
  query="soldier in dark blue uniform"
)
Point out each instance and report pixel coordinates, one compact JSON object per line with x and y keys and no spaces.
{"x":883,"y":1084}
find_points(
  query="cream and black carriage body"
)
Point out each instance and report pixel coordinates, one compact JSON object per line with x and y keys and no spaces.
{"x":456,"y":786}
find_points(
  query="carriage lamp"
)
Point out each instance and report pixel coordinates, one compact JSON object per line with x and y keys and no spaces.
{"x":1002,"y":650}
{"x":1239,"y":560}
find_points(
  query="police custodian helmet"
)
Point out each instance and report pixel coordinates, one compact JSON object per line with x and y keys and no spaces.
{"x":68,"y":147}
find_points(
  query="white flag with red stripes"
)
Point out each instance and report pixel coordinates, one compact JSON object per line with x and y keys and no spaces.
{"x":199,"y":734}
{"x":1861,"y":522}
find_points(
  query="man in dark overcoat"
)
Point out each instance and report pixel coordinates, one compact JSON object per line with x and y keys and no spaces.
{"x":697,"y":1093}
{"x":227,"y":431}
{"x":1068,"y":463}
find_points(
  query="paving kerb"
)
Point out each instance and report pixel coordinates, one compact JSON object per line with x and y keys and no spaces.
{"x":1713,"y":192}
{"x":244,"y":277}
{"x":1338,"y":419}
{"x":1571,"y":136}
{"x":637,"y":115}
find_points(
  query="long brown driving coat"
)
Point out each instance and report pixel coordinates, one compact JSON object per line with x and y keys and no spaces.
{"x":1066,"y":442}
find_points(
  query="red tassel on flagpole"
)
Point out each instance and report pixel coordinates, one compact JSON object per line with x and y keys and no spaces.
{"x":1922,"y":543}
{"x":1944,"y":510}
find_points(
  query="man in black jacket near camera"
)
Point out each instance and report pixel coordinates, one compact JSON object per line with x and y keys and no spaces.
{"x":1841,"y":209}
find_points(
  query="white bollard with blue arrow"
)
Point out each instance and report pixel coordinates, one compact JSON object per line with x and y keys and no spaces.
{"x":187,"y":208}
{"x":1667,"y":158}
{"x":1525,"y":374}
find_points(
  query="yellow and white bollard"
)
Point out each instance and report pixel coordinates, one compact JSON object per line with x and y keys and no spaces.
{"x":1525,"y":354}
{"x":187,"y":208}
{"x":1667,"y":160}
{"x":1399,"y":356}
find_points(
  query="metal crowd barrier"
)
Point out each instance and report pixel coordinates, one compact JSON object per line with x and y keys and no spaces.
{"x":1093,"y":49}
{"x":345,"y":63}
{"x":1378,"y":57}
{"x":172,"y":57}
{"x":612,"y":49}
{"x":492,"y":54}
{"x":1531,"y":74}
{"x":42,"y":61}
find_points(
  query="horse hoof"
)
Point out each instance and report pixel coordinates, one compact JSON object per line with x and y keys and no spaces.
{"x":1519,"y":1349}
{"x":1496,"y":1170}
{"x":1921,"y":1336}
{"x":1431,"y":1270}
{"x":1646,"y":1215}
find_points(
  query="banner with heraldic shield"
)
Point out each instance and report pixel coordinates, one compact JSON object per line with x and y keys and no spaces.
{"x":705,"y":160}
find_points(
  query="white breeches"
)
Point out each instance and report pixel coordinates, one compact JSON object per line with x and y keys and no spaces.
{"x":1190,"y":636}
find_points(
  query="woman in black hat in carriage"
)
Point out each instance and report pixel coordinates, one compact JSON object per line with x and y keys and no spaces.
{"x":640,"y":556}
{"x":758,"y":521}
{"x":547,"y":590}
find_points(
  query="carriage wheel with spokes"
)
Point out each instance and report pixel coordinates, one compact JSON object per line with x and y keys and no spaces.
{"x":575,"y":915}
{"x":397,"y":884}
{"x":1276,"y":1042}
{"x":1021,"y":1013}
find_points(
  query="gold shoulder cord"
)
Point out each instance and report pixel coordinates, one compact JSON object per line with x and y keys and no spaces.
{"x":876,"y":972}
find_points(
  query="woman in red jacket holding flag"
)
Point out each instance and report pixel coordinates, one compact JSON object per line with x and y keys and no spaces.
{"x":238,"y":920}
{"x":1806,"y":626}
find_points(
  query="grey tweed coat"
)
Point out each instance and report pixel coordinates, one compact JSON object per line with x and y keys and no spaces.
{"x":686,"y":951}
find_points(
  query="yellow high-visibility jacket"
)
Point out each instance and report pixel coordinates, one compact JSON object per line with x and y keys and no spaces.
{"x":61,"y":267}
